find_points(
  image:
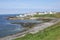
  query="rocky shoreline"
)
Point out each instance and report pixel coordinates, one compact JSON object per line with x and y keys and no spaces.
{"x":32,"y":30}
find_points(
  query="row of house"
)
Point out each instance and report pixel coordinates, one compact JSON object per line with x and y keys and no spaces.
{"x":26,"y":14}
{"x":31,"y":14}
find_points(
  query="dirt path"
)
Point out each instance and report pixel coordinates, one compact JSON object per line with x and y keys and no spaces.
{"x":43,"y":26}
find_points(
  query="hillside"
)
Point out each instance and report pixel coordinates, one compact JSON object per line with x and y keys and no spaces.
{"x":51,"y":33}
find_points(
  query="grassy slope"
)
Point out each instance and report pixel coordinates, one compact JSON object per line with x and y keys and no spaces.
{"x":51,"y":33}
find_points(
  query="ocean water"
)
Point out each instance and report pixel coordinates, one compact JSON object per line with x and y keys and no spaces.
{"x":6,"y":28}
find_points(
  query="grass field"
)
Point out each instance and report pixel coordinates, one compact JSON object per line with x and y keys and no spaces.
{"x":51,"y":33}
{"x":57,"y":15}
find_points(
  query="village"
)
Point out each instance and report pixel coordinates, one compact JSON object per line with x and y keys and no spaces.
{"x":35,"y":13}
{"x":32,"y":15}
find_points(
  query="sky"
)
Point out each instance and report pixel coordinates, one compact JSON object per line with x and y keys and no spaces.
{"x":23,"y":6}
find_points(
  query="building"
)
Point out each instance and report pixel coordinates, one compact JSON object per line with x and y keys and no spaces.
{"x":21,"y":15}
{"x":34,"y":13}
{"x":42,"y":13}
{"x":51,"y":12}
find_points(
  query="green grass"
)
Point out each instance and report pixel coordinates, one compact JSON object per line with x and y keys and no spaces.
{"x":57,"y":15}
{"x":50,"y":33}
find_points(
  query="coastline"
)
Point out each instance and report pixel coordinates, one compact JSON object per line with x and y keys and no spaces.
{"x":33,"y":30}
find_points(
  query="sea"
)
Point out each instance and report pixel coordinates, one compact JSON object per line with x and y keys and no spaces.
{"x":6,"y":28}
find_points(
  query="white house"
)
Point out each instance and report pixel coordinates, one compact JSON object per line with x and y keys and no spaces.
{"x":51,"y":12}
{"x":42,"y":13}
{"x":21,"y":15}
{"x":26,"y":14}
{"x":34,"y":13}
{"x":31,"y":14}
